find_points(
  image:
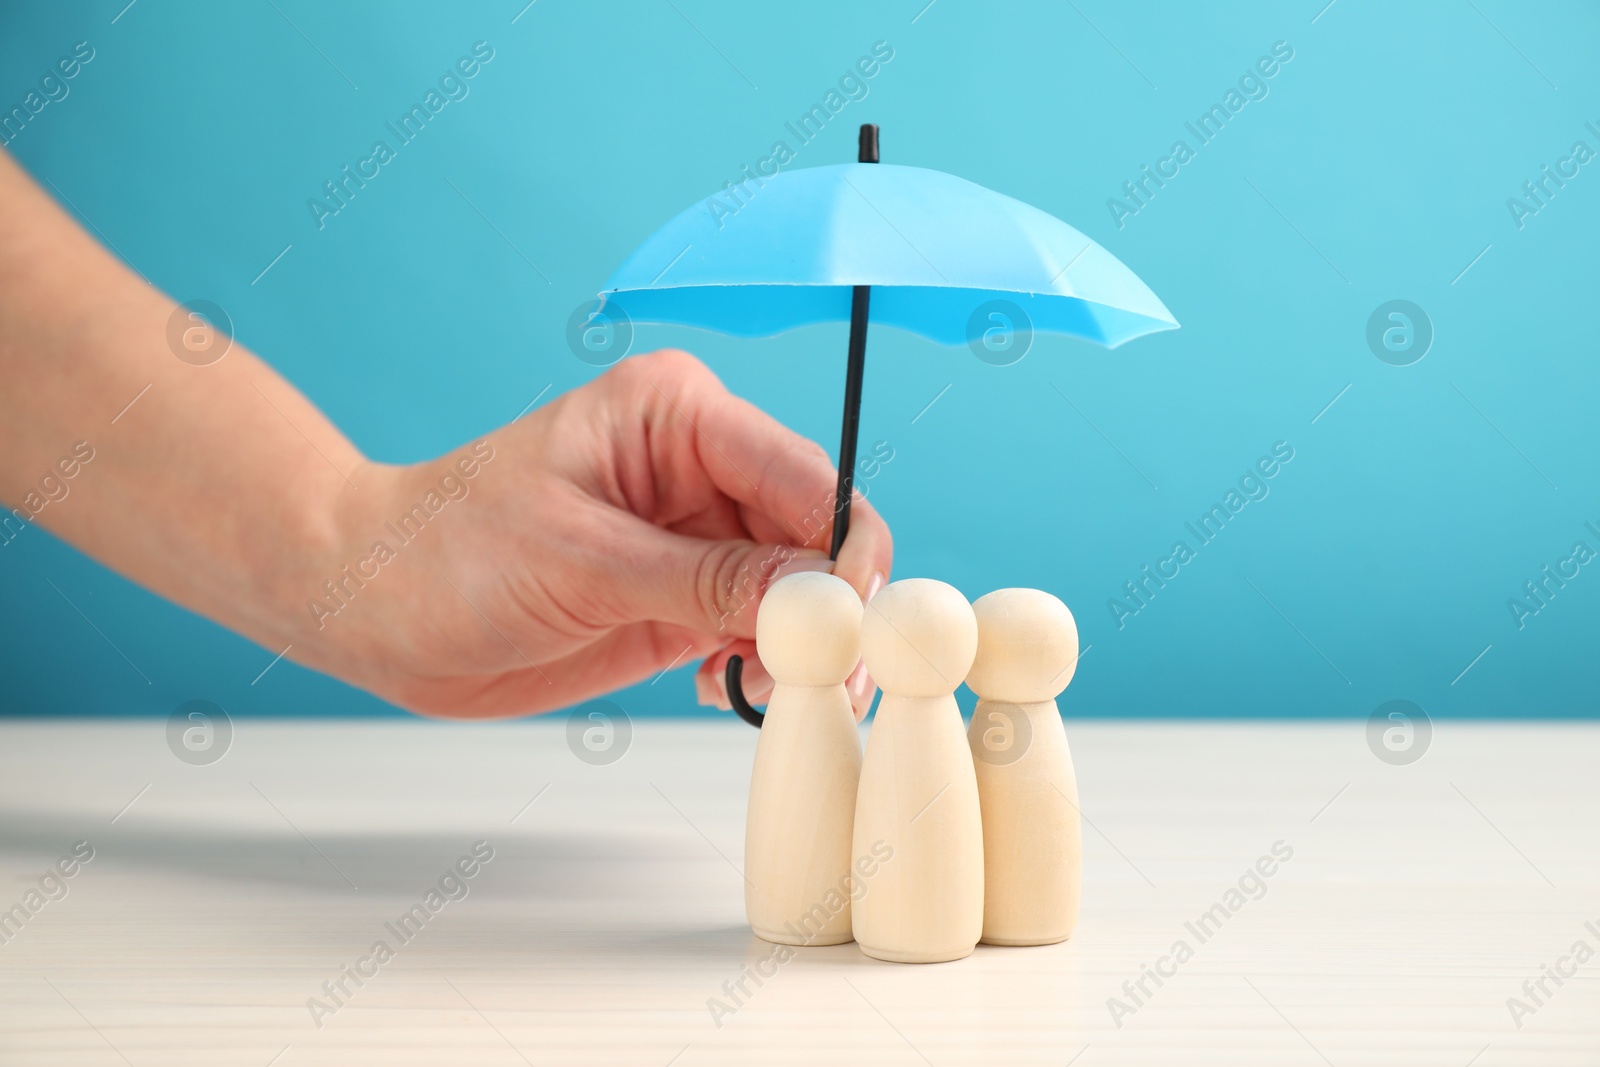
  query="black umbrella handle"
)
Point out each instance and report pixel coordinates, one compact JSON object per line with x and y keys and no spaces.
{"x":860,"y":299}
{"x":741,"y":706}
{"x":855,"y":370}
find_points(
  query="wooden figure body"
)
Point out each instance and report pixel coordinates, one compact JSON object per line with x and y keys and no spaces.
{"x":1032,"y":836}
{"x":808,"y":760}
{"x":918,"y":802}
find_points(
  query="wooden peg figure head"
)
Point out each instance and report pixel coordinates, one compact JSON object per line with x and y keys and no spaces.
{"x":1027,"y":646}
{"x":808,"y":629}
{"x":918,"y":637}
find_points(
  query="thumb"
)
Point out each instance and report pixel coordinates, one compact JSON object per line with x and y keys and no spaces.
{"x":714,"y":587}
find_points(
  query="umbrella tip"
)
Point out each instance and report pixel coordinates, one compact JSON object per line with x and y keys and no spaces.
{"x":868,"y":152}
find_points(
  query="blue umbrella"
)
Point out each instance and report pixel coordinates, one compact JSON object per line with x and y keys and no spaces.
{"x":917,"y":249}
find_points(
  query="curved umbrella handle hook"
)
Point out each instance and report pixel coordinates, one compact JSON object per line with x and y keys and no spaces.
{"x":741,"y":706}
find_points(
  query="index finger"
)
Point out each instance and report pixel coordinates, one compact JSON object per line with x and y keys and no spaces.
{"x":784,"y":483}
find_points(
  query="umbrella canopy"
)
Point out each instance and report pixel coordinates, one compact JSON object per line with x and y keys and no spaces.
{"x":917,"y":249}
{"x":932,"y":246}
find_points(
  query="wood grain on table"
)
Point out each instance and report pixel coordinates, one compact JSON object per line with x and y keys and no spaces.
{"x":608,"y":926}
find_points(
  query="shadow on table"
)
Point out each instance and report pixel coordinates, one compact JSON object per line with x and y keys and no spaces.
{"x":403,"y":865}
{"x":618,"y":898}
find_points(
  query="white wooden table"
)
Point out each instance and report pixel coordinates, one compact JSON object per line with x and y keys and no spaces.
{"x":1418,"y":900}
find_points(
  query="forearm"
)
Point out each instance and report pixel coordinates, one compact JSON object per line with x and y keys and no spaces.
{"x":201,"y":476}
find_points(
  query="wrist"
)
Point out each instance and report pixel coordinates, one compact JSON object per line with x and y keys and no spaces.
{"x":324,"y":580}
{"x":373,"y":569}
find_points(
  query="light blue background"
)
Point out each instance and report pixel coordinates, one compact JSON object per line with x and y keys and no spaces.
{"x":1387,"y":148}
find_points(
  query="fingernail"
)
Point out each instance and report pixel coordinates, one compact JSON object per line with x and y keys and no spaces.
{"x":710,"y":682}
{"x":877,"y":583}
{"x":803,"y":563}
{"x":719,"y":693}
{"x":862,"y":690}
{"x":859,"y":680}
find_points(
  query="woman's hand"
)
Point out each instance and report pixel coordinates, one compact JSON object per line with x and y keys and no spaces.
{"x":626,"y":528}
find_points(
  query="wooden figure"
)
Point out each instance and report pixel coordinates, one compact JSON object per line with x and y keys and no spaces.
{"x":1032,"y":837}
{"x":919,"y":795}
{"x":808,"y":762}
